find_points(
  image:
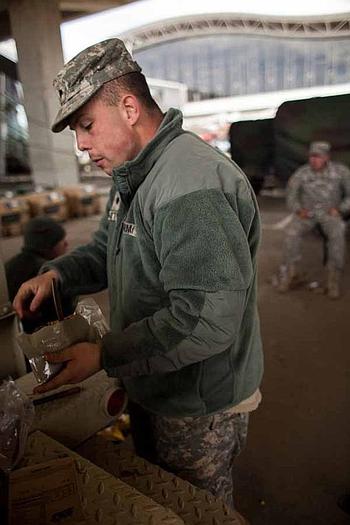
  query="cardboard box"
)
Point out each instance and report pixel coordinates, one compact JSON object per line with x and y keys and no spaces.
{"x":14,"y":214}
{"x":52,"y":203}
{"x":45,"y":493}
{"x":82,"y":200}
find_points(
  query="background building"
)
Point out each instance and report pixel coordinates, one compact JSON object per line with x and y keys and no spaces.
{"x":229,"y":65}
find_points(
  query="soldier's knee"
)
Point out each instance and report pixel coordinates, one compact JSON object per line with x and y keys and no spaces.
{"x":335,"y":227}
{"x":336,"y":233}
{"x":293,"y":237}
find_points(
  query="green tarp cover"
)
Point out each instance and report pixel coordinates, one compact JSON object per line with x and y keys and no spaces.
{"x":299,"y":122}
{"x":252,"y":145}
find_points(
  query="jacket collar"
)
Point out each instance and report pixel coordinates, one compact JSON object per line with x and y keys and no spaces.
{"x":131,"y":174}
{"x":39,"y":254}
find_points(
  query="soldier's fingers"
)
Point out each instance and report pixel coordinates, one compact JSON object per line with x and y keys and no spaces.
{"x":37,"y":300}
{"x":63,"y":378}
{"x":59,"y":357}
{"x":22,"y":295}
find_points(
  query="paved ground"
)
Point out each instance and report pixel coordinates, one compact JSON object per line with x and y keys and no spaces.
{"x":297,"y":460}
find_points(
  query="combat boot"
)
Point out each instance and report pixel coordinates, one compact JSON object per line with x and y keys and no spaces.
{"x":287,"y":274}
{"x":333,"y":283}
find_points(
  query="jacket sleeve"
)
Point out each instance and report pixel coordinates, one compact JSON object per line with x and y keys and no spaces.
{"x":294,"y":188}
{"x":83,"y":270}
{"x":206,"y":270}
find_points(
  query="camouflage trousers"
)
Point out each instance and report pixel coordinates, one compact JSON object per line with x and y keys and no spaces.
{"x":199,"y":449}
{"x":332,"y":227}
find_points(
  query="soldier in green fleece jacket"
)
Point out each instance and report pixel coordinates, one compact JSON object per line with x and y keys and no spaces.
{"x":177,"y":249}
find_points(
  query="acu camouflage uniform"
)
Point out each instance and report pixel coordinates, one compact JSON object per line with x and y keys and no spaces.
{"x":202,"y":449}
{"x":199,"y":449}
{"x":318,"y":192}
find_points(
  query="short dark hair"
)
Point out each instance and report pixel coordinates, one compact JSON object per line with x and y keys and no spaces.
{"x":135,"y":83}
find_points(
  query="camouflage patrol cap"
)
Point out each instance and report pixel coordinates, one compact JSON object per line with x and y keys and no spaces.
{"x":319,"y":148}
{"x":83,"y":76}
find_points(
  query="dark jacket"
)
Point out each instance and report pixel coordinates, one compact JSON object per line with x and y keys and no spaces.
{"x":19,"y":269}
{"x":23,"y":266}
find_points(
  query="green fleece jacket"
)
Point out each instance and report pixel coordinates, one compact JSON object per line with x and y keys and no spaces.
{"x":177,"y":249}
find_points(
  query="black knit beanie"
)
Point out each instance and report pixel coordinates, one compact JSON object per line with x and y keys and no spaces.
{"x":42,"y":233}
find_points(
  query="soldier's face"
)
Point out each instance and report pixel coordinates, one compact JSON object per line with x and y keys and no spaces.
{"x":318,"y":162}
{"x":106,"y":133}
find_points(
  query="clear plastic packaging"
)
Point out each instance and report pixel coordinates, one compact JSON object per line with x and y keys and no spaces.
{"x":53,"y":340}
{"x":89,"y":310}
{"x":86,"y":324}
{"x":16,"y":417}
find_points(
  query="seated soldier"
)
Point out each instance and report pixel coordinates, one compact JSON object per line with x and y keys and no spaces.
{"x":318,"y":194}
{"x":44,"y":239}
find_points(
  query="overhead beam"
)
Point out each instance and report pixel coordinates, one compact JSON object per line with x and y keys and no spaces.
{"x":69,"y":9}
{"x":89,"y":6}
{"x":329,"y":26}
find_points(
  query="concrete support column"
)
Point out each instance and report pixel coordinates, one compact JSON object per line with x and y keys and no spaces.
{"x":36,"y":29}
{"x":2,"y":126}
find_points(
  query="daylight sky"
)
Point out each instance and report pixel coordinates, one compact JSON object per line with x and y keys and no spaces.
{"x":80,"y":33}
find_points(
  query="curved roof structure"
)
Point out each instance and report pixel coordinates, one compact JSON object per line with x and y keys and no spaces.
{"x":232,"y":23}
{"x":147,"y":22}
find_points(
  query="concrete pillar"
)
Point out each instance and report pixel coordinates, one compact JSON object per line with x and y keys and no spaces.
{"x":2,"y":126}
{"x":36,"y":29}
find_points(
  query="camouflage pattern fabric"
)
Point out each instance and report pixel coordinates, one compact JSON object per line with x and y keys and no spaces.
{"x":332,"y":227}
{"x":319,"y":148}
{"x":202,"y":449}
{"x":199,"y":449}
{"x":318,"y":192}
{"x":84,"y":75}
{"x":299,"y":122}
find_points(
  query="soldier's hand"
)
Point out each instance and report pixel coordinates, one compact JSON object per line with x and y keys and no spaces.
{"x":81,"y":360}
{"x":31,"y":294}
{"x":303,"y":213}
{"x":334,"y":212}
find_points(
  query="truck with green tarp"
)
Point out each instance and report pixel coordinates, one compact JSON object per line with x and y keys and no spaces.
{"x":252,"y":148}
{"x":279,"y":146}
{"x":299,"y":122}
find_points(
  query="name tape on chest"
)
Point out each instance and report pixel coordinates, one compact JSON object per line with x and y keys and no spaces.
{"x":129,"y":228}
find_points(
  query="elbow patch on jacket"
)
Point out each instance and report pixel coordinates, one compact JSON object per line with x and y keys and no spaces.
{"x":216,"y":330}
{"x":213,"y":331}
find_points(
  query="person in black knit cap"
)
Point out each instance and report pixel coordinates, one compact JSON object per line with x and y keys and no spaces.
{"x":44,"y":239}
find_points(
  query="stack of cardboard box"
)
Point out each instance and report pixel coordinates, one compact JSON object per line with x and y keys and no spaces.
{"x":82,"y":200}
{"x":14,"y":214}
{"x":52,"y":203}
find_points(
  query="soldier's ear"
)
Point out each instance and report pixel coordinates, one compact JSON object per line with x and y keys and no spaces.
{"x":131,"y":108}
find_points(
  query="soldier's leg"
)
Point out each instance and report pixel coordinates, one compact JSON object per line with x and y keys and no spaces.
{"x":294,"y":233}
{"x":334,"y":229}
{"x":202,"y":449}
{"x":292,"y":250}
